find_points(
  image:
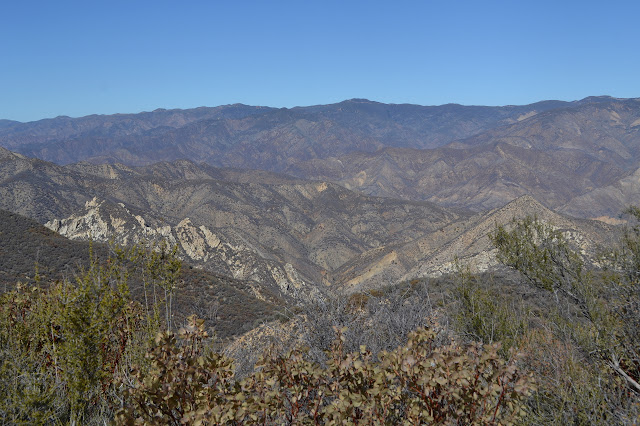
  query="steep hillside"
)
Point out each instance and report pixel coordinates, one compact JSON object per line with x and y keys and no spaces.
{"x":25,"y":243}
{"x":223,"y":251}
{"x":229,"y":306}
{"x":478,"y":178}
{"x":465,"y":244}
{"x":606,"y":203}
{"x":283,"y":232}
{"x":555,"y":156}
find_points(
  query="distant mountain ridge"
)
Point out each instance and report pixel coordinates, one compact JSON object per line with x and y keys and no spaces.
{"x":558,"y":156}
{"x":568,"y":155}
{"x":255,"y":137}
{"x":15,"y":134}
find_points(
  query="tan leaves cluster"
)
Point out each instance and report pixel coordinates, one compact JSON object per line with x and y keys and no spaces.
{"x":417,"y":383}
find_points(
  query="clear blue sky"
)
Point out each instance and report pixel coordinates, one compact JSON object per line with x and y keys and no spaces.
{"x":79,"y":58}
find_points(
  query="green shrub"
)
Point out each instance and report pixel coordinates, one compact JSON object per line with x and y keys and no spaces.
{"x":63,"y":348}
{"x":589,"y":370}
{"x":486,"y":315}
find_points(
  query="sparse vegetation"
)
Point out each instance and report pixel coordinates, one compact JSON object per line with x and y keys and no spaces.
{"x":79,"y":351}
{"x":417,"y":383}
{"x":585,"y":346}
{"x":62,"y":348}
{"x":67,"y":348}
{"x":462,"y":349}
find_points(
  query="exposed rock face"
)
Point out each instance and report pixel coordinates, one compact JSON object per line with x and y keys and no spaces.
{"x":272,"y":230}
{"x":246,"y":223}
{"x":104,"y":221}
{"x":219,"y":251}
{"x":229,"y":306}
{"x":473,"y":248}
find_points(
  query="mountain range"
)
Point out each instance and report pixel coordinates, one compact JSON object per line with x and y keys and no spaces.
{"x":284,"y":236}
{"x":340,"y":198}
{"x":577,"y":157}
{"x":360,"y":218}
{"x":248,"y":219}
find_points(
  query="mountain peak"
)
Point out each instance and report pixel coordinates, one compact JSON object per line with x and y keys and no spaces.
{"x":525,"y":205}
{"x":598,"y":99}
{"x":360,"y":101}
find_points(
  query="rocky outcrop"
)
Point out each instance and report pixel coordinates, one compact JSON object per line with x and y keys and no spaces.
{"x":218,"y":250}
{"x":291,"y":235}
{"x":461,"y":243}
{"x":472,"y":247}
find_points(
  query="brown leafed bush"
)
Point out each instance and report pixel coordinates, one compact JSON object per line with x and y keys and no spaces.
{"x":417,"y":383}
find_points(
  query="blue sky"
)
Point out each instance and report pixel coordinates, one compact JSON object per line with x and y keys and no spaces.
{"x":79,"y":58}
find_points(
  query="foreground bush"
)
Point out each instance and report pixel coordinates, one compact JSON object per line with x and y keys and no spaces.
{"x":418,"y":383}
{"x":61,"y":348}
{"x":64,"y":346}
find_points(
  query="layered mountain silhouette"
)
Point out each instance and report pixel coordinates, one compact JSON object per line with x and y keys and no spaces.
{"x":559,"y":156}
{"x":343,"y":197}
{"x":284,"y":236}
{"x":577,"y":157}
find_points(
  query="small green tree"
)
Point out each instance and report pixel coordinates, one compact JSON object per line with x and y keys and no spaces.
{"x":64,"y":347}
{"x":624,"y":265}
{"x":486,"y":315}
{"x":161,"y":271}
{"x":596,"y":315}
